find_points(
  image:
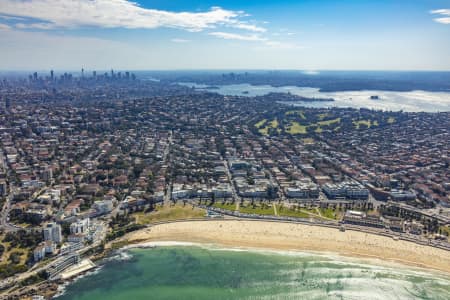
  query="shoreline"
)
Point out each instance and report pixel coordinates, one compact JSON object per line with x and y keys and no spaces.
{"x":284,"y":238}
{"x":261,"y":235}
{"x":354,"y":259}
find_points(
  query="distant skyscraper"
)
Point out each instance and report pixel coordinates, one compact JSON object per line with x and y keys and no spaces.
{"x":82,"y":72}
{"x":94,"y":74}
{"x":7,"y":104}
{"x":35,"y":77}
{"x":52,"y":75}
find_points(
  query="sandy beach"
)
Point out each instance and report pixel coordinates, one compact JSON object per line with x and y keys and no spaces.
{"x":289,"y":236}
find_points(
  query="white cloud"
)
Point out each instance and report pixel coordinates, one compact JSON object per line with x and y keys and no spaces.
{"x":43,"y":26}
{"x":177,"y":40}
{"x":265,"y":43}
{"x":283,"y":33}
{"x":240,"y":37}
{"x":249,"y":27}
{"x":118,"y":13}
{"x":441,"y":12}
{"x":4,"y":27}
{"x":10,"y":18}
{"x":443,"y":20}
{"x":445,"y":13}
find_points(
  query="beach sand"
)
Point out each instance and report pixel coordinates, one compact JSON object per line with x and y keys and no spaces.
{"x":289,"y":236}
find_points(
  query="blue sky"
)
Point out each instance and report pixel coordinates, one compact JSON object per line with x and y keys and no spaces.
{"x":176,"y":34}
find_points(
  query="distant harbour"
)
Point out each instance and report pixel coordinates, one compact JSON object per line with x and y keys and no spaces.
{"x":412,"y":101}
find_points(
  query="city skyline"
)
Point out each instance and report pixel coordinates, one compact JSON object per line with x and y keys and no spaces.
{"x":154,"y":35}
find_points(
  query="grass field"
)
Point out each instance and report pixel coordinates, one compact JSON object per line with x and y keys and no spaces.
{"x":328,"y":213}
{"x":296,"y":112}
{"x":228,"y":206}
{"x":445,"y":230}
{"x":260,"y":123}
{"x":4,"y":259}
{"x":274,"y":123}
{"x":258,"y":209}
{"x":167,"y":213}
{"x":287,"y":212}
{"x":265,"y":130}
{"x":297,"y":122}
{"x":322,"y":116}
{"x":264,"y":209}
{"x":307,"y":141}
{"x":362,"y":122}
{"x":329,"y":122}
{"x":296,"y":128}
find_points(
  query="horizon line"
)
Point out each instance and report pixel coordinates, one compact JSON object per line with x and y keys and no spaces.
{"x":221,"y":69}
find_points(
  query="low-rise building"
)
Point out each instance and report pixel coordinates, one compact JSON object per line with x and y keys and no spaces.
{"x":61,"y":264}
{"x":80,"y":227}
{"x":76,"y":238}
{"x":303,"y":190}
{"x":52,"y":232}
{"x":346,"y":189}
{"x":362,"y":219}
{"x":39,"y":252}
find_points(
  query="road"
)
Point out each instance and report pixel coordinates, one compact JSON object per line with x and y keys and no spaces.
{"x":165,"y":162}
{"x":7,"y":205}
{"x":4,"y":215}
{"x":236,"y":197}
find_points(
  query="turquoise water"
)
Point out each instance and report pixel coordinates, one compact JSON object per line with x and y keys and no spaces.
{"x":189,"y":272}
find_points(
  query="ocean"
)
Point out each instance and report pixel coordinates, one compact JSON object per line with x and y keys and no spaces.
{"x":194,"y":272}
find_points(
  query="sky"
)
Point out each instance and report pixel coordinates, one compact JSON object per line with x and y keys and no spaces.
{"x":204,"y":34}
